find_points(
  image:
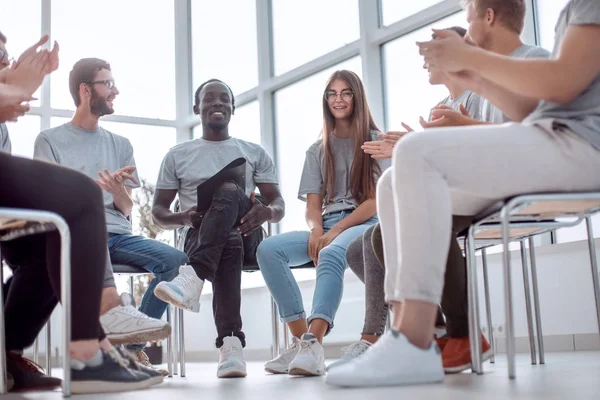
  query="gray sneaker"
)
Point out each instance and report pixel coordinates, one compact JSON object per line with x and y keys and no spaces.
{"x":113,"y":375}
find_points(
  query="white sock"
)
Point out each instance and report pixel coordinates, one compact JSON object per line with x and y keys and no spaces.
{"x":94,"y":361}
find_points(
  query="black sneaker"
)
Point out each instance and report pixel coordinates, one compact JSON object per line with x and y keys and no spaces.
{"x":113,"y":375}
{"x":155,"y":375}
{"x":27,"y":375}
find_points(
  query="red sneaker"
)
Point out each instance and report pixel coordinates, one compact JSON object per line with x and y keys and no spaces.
{"x":456,"y":355}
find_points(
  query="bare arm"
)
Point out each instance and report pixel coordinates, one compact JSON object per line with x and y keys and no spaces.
{"x":363,"y":213}
{"x":161,"y":212}
{"x":274,"y":199}
{"x":314,"y":212}
{"x":535,"y":78}
{"x":514,"y":106}
{"x":547,"y":79}
{"x":123,"y":202}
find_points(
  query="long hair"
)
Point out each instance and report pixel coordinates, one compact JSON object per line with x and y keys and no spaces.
{"x":365,"y":170}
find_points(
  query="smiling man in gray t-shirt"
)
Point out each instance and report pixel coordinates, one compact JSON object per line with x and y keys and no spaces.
{"x":83,"y":145}
{"x":220,"y":238}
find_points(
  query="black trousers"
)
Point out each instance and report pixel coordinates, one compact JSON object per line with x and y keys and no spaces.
{"x":217,"y":251}
{"x":35,"y":286}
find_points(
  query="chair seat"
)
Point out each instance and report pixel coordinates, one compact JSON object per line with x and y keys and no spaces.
{"x":11,"y":229}
{"x":253,"y":267}
{"x":128,"y":269}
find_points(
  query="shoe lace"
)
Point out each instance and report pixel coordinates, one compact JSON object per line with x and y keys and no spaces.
{"x":133,"y":312}
{"x":226,"y":351}
{"x":142,"y":358}
{"x":292,"y":349}
{"x":307,"y":345}
{"x":355,"y":349}
{"x":118,"y":358}
{"x":187,"y":282}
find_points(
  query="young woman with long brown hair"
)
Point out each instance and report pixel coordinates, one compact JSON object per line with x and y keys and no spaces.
{"x":338,"y":184}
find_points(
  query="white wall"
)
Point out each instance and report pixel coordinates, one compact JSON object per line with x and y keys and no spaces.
{"x":565,"y":287}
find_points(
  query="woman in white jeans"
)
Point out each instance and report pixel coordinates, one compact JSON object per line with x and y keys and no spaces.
{"x":462,"y":170}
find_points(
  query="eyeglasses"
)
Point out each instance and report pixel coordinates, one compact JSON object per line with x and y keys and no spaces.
{"x":109,"y":84}
{"x":345,"y":95}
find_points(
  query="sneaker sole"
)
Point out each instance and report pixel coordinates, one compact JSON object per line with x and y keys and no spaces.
{"x":89,"y":387}
{"x":456,"y":370}
{"x":231,"y":373}
{"x":152,"y":335}
{"x":168,"y":297}
{"x":276,"y":372}
{"x":304,"y":372}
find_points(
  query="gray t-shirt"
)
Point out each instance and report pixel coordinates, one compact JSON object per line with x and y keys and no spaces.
{"x":313,"y":173}
{"x":190,"y":163}
{"x":489,"y":112}
{"x":90,"y":151}
{"x":471,"y":101}
{"x":5,"y":145}
{"x":582,"y":115}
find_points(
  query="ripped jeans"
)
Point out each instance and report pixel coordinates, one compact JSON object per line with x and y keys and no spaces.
{"x":217,"y":251}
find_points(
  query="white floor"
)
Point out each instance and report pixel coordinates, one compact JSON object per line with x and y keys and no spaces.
{"x":572,"y":376}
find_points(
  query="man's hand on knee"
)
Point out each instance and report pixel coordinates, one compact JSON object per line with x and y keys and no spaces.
{"x":258,"y":215}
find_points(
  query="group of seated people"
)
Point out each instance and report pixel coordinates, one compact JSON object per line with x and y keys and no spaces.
{"x":388,"y":205}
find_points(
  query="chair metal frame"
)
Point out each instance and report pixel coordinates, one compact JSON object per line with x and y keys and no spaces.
{"x":518,"y":219}
{"x":65,"y":280}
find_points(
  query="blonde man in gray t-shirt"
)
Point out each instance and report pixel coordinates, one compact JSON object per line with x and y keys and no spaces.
{"x":462,"y":171}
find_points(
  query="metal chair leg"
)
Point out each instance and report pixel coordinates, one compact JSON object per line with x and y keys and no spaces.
{"x":508,"y":306}
{"x":48,"y":348}
{"x":594,"y":264}
{"x":3,"y":383}
{"x":474,"y":330}
{"x":275,"y":326}
{"x":286,"y":336}
{"x":527,"y":288}
{"x":131,"y":284}
{"x":536,"y":303}
{"x":488,"y":306}
{"x":181,"y":343}
{"x":65,"y":295}
{"x":170,"y":342}
{"x":36,"y":351}
{"x":175,"y":334}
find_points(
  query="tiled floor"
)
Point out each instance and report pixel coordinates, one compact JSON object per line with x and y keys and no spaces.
{"x":571,"y":376}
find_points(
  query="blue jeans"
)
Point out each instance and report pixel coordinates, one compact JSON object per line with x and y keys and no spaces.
{"x":156,"y":257}
{"x":277,"y":254}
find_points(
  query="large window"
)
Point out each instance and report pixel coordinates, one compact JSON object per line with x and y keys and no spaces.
{"x":408,"y":92}
{"x":548,"y":12}
{"x":135,"y":36}
{"x":20,"y":22}
{"x":394,"y":10}
{"x":245,"y":123}
{"x":23,"y":134}
{"x":303,"y":31}
{"x":299,"y":120}
{"x":225,"y":48}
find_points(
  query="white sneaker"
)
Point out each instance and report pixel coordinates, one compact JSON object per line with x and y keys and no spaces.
{"x":310,"y":360}
{"x":350,"y":353}
{"x":281,"y":364}
{"x":392,"y":361}
{"x":126,"y":325}
{"x":231,"y":359}
{"x":184,"y":291}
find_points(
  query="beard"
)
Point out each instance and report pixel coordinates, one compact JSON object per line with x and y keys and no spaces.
{"x":99,"y":106}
